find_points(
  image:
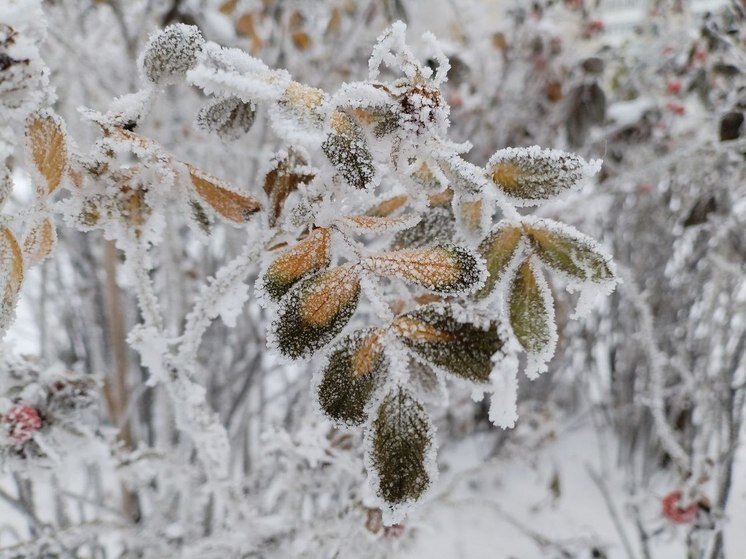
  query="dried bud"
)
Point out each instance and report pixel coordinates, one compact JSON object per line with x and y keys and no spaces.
{"x":170,"y":53}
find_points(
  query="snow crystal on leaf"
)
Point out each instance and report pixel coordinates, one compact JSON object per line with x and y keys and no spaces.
{"x":462,"y":349}
{"x":347,"y":149}
{"x":229,"y":118}
{"x":531,"y":310}
{"x":353,"y":372}
{"x":170,"y":53}
{"x":232,"y":72}
{"x":530,"y":176}
{"x":400,"y":454}
{"x":447,"y":269}
{"x":315,"y":311}
{"x":436,"y":226}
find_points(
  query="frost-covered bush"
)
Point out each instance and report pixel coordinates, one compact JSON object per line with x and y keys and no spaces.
{"x":385,"y":252}
{"x":371,"y":269}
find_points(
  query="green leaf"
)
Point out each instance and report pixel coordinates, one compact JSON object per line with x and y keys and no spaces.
{"x":569,"y":251}
{"x":531,"y":311}
{"x":400,"y":448}
{"x":315,"y":311}
{"x":498,"y":250}
{"x":436,"y":226}
{"x":530,"y":176}
{"x":347,"y":149}
{"x":351,"y":376}
{"x":462,"y":349}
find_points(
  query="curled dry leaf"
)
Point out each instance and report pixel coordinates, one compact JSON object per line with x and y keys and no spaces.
{"x":39,"y":241}
{"x":47,"y":143}
{"x":287,"y":174}
{"x":230,"y":205}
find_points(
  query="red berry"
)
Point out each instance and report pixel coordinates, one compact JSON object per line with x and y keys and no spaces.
{"x":674,"y":86}
{"x":393,"y":531}
{"x":674,"y":512}
{"x":23,"y":421}
{"x":676,"y":108}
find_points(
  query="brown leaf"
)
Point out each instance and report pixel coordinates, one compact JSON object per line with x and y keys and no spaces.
{"x":47,"y":143}
{"x":375,"y":224}
{"x":285,"y":177}
{"x":308,"y":256}
{"x":230,"y":205}
{"x":445,"y":269}
{"x":301,"y":40}
{"x":387,"y":207}
{"x":39,"y":242}
{"x":12,"y":267}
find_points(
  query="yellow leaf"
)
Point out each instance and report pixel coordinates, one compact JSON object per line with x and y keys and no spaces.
{"x":47,"y":143}
{"x":230,"y":205}
{"x":39,"y":242}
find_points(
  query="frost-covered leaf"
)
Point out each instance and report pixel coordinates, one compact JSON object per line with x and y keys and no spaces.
{"x":437,"y":225}
{"x":170,"y":53}
{"x":383,"y":120}
{"x":424,"y":177}
{"x":463,"y":176}
{"x":531,"y":311}
{"x":300,"y":106}
{"x":375,"y":224}
{"x":11,"y":277}
{"x":39,"y":241}
{"x":47,"y":142}
{"x":229,"y":118}
{"x":346,"y":148}
{"x":447,"y":269}
{"x":567,"y":250}
{"x":6,"y":184}
{"x":387,"y":207}
{"x":530,"y":176}
{"x":424,"y":381}
{"x":351,"y":376}
{"x":461,"y":348}
{"x":313,"y":312}
{"x":470,"y":213}
{"x":289,"y":170}
{"x":401,"y":449}
{"x":499,"y":250}
{"x":307,"y":257}
{"x":227,"y":203}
